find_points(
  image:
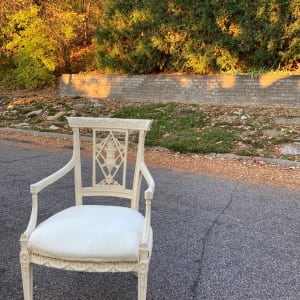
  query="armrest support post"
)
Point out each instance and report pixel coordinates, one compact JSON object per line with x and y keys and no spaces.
{"x":33,"y":216}
{"x":148,"y":197}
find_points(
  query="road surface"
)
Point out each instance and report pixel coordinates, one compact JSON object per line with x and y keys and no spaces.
{"x":213,"y":238}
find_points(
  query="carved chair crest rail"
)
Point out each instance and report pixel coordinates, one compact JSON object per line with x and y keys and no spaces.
{"x":96,"y":238}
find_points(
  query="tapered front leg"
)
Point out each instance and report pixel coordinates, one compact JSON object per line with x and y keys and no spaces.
{"x":26,"y":269}
{"x":142,"y":284}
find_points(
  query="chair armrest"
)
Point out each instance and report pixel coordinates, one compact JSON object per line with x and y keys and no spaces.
{"x":149,"y":179}
{"x":148,"y":197}
{"x":38,"y":186}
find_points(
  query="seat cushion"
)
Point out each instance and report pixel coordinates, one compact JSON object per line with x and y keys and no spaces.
{"x":108,"y":233}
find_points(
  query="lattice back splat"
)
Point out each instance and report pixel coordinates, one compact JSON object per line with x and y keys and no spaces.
{"x":110,"y":157}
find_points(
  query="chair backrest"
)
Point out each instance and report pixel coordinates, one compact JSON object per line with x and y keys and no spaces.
{"x":111,"y":138}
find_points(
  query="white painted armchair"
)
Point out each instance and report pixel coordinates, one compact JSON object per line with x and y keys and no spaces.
{"x":95,"y":238}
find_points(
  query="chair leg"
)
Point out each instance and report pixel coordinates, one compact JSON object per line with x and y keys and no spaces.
{"x":26,"y":269}
{"x":142,"y":285}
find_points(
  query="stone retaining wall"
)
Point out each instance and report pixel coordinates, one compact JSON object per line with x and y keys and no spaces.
{"x":226,"y":89}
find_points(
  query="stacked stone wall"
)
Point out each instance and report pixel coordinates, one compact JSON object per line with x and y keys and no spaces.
{"x":226,"y":89}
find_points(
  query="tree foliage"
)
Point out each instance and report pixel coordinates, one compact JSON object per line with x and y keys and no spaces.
{"x":42,"y":39}
{"x":32,"y":52}
{"x":37,"y":39}
{"x":209,"y":36}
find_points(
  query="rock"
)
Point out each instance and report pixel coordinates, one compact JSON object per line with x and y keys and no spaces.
{"x":287,"y":121}
{"x":227,"y":119}
{"x":99,"y":105}
{"x":291,"y":149}
{"x":242,"y":146}
{"x":53,"y":127}
{"x":271,"y":132}
{"x":19,"y":125}
{"x":72,"y":113}
{"x":34,"y":113}
{"x":94,"y":101}
{"x":10,"y":106}
{"x":56,"y":116}
{"x":243,"y":117}
{"x":79,"y":106}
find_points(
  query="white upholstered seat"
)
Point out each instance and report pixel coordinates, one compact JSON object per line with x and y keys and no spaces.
{"x":106,"y":233}
{"x":96,"y":238}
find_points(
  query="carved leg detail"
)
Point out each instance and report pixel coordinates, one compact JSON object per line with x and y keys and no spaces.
{"x":26,"y":268}
{"x":142,"y":285}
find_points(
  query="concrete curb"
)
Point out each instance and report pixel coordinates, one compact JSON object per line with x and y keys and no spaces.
{"x":260,"y":160}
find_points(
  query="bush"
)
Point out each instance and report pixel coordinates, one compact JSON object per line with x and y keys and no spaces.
{"x":37,"y":47}
{"x":30,"y":49}
{"x":199,"y":37}
{"x":31,"y":74}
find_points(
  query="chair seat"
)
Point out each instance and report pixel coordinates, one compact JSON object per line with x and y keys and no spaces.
{"x":108,"y":233}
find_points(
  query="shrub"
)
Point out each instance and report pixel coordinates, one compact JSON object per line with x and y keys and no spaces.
{"x":30,"y":49}
{"x":198,"y":36}
{"x":37,"y":46}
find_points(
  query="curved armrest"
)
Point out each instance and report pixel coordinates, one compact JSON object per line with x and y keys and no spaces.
{"x":38,"y":186}
{"x":148,"y":197}
{"x":151,"y":184}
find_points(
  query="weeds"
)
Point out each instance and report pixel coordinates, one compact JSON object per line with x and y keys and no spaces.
{"x":181,"y":128}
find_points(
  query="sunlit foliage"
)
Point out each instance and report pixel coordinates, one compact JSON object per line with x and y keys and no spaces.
{"x":202,"y":37}
{"x":37,"y":38}
{"x":42,"y":39}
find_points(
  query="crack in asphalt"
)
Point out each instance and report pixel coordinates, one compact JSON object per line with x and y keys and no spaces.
{"x":205,"y":240}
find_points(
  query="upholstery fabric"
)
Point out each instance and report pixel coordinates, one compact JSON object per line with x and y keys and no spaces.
{"x":108,"y":233}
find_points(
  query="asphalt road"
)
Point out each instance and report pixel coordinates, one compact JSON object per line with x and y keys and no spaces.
{"x":213,"y":238}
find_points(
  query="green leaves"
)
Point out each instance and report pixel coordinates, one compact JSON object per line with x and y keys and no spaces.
{"x":198,"y":36}
{"x":32,"y":50}
{"x":38,"y":47}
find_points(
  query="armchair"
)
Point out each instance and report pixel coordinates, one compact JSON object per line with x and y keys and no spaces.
{"x":95,"y":238}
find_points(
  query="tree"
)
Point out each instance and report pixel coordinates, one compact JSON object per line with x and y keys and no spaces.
{"x":209,"y":36}
{"x":32,"y":52}
{"x":38,"y":47}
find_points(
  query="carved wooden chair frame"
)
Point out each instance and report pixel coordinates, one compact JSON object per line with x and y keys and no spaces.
{"x":109,"y":155}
